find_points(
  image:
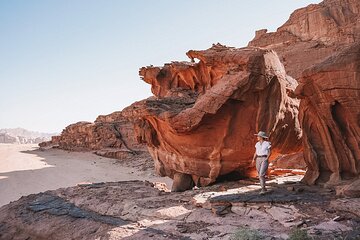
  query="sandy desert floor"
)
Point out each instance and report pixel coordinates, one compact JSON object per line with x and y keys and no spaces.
{"x":24,"y":169}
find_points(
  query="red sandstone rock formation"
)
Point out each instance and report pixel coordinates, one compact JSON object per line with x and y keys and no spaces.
{"x":112,"y":134}
{"x":312,"y":34}
{"x":203,"y":121}
{"x":330,"y":117}
{"x":317,"y":38}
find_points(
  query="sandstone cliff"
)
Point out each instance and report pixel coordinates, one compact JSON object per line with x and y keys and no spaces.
{"x":319,"y":47}
{"x":110,"y":135}
{"x":312,"y":34}
{"x":330,"y":117}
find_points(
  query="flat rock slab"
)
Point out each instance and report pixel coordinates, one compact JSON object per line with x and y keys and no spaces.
{"x":278,"y":195}
{"x":137,"y":210}
{"x":54,"y":205}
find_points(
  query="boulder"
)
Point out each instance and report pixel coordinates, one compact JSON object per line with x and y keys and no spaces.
{"x":182,"y":182}
{"x":351,"y":189}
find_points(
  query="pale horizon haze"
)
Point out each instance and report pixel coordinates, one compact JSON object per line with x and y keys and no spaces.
{"x":65,"y":61}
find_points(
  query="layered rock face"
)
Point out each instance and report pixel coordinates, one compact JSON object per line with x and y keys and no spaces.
{"x":113,"y":131}
{"x":330,"y":117}
{"x":312,"y":34}
{"x":319,"y":47}
{"x":200,"y":123}
{"x":203,"y":121}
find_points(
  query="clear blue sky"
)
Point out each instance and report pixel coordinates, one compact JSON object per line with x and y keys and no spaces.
{"x":63,"y":61}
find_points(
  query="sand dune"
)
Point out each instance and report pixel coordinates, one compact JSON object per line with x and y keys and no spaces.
{"x":24,"y":169}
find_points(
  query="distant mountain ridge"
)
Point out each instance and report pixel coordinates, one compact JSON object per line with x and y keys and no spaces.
{"x":23,"y":136}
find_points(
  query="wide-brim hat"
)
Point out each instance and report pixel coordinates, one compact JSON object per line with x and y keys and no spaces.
{"x":261,"y":134}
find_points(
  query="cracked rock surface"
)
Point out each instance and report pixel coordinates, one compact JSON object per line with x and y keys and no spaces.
{"x":138,"y":210}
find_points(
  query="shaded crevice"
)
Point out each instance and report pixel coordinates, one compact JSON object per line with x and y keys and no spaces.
{"x":57,"y":206}
{"x":343,"y":121}
{"x":119,"y":136}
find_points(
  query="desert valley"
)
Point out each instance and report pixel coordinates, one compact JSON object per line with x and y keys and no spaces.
{"x":178,"y":165}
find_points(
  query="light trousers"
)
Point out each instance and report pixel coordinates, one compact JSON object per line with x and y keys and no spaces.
{"x":262,"y":167}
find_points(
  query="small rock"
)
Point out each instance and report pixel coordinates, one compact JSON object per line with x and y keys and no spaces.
{"x":350,"y":190}
{"x":301,"y":223}
{"x":220,"y":210}
{"x":182,"y":182}
{"x":338,"y":218}
{"x":330,"y":211}
{"x":290,"y":220}
{"x":291,"y":188}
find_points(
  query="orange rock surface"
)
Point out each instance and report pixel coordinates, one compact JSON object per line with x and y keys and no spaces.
{"x":203,"y":120}
{"x":113,"y":133}
{"x":312,"y":34}
{"x":330,"y":117}
{"x":202,"y":117}
{"x":319,"y":47}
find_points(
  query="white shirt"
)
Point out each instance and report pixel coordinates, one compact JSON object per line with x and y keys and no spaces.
{"x":263,"y":148}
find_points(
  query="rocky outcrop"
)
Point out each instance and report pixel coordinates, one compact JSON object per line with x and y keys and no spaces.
{"x":203,"y":121}
{"x":319,"y":47}
{"x":193,"y":98}
{"x":330,"y":22}
{"x":349,"y":189}
{"x":330,"y":117}
{"x":89,"y":136}
{"x":312,"y":34}
{"x":113,"y":135}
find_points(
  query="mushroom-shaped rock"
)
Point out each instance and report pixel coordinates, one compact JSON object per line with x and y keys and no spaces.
{"x":203,"y":119}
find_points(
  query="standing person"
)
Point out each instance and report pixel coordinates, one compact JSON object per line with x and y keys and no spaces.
{"x":261,"y":156}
